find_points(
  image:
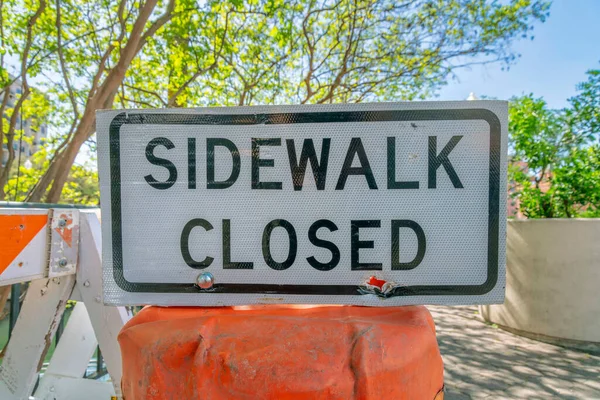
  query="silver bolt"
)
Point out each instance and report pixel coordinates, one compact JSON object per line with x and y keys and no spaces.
{"x":86,"y":283}
{"x":98,"y":299}
{"x":62,"y":222}
{"x":62,"y":262}
{"x":52,"y":388}
{"x":205,"y":280}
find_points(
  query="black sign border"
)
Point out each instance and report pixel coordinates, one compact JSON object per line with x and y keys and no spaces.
{"x":306,"y":118}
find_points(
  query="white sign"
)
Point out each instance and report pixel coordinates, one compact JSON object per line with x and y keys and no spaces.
{"x":370,"y":204}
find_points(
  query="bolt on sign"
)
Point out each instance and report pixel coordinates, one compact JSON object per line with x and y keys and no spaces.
{"x":371,"y":204}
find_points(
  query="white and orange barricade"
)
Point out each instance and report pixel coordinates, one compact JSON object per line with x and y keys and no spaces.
{"x":59,"y":251}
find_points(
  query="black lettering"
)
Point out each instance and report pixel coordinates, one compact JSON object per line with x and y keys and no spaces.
{"x":335,"y":252}
{"x":191,"y":163}
{"x":435,"y":160}
{"x":266,"y":244}
{"x":319,"y":169}
{"x":357,"y":244}
{"x":356,"y":147}
{"x":211,"y":143}
{"x":184,"y":243}
{"x":161,"y":141}
{"x":257,"y":163}
{"x":421,"y":244}
{"x":227,"y":263}
{"x":391,"y":167}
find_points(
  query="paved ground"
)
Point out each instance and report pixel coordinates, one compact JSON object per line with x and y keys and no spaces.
{"x":482,"y":361}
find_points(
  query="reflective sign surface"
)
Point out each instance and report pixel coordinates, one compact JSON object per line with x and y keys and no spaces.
{"x":370,"y":204}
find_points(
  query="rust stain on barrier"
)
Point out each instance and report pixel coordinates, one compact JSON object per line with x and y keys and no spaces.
{"x":65,"y":229}
{"x":48,"y":336}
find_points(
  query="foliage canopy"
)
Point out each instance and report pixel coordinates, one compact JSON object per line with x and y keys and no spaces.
{"x":84,"y":55}
{"x":555,"y":166}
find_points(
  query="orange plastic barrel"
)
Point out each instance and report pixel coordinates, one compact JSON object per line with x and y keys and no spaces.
{"x":274,"y":352}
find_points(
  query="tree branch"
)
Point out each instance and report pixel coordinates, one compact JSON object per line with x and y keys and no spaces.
{"x":109,"y":50}
{"x":344,"y":67}
{"x":61,"y":58}
{"x":149,"y":92}
{"x":137,"y":39}
{"x":156,"y":25}
{"x":140,"y":102}
{"x":217,"y":54}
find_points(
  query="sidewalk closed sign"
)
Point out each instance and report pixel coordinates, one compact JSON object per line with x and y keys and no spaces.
{"x":371,"y":204}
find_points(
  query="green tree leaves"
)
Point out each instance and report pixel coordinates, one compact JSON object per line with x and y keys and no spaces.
{"x":584,"y":113}
{"x":85,"y":55}
{"x":320,"y":51}
{"x":555,"y":166}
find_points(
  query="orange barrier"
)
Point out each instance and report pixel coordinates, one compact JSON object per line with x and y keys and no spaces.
{"x":281,"y":352}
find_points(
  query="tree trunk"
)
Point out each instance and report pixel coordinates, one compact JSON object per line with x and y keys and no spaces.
{"x":67,"y":158}
{"x":63,"y":168}
{"x":59,"y":169}
{"x":41,"y":186}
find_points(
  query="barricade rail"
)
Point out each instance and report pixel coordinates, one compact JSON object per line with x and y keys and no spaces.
{"x":57,"y":248}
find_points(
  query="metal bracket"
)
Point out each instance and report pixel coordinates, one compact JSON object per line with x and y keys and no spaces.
{"x":64,"y":242}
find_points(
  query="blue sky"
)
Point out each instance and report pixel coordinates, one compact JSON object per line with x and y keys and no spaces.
{"x":565,"y":46}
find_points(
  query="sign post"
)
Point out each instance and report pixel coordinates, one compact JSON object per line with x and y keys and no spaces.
{"x":380,"y":204}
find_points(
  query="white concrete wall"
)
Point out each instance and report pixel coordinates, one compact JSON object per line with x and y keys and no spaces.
{"x":552,"y":279}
